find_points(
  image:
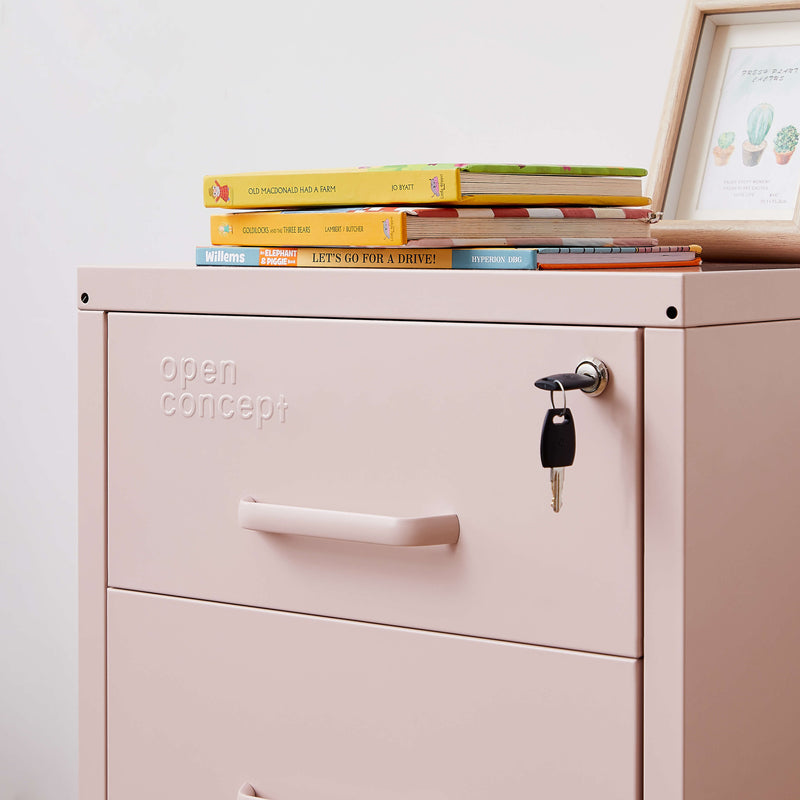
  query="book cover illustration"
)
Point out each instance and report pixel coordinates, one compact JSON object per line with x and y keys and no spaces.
{"x":521,"y":169}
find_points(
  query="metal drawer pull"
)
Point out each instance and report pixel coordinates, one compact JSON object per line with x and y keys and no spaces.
{"x":247,"y":792}
{"x":348,"y":526}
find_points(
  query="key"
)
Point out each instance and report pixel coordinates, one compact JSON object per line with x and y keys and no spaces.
{"x":556,"y":486}
{"x":565,"y":381}
{"x":557,"y":449}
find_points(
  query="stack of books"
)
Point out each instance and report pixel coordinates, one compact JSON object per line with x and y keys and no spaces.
{"x":438,"y":216}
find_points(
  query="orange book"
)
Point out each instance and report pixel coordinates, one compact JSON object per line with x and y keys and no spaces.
{"x":432,"y":226}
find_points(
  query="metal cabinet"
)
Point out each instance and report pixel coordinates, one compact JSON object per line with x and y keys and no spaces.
{"x":639,"y":643}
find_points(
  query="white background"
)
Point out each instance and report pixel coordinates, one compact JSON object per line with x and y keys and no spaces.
{"x":111,"y":112}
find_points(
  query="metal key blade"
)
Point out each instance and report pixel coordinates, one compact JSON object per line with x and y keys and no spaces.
{"x":557,"y":485}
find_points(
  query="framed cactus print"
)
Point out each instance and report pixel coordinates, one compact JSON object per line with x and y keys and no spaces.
{"x":725,"y":172}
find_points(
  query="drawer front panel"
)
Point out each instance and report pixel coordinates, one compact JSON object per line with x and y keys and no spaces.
{"x":392,"y":419}
{"x":204,"y":697}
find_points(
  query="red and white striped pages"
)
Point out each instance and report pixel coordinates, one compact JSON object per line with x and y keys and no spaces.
{"x":527,"y":227}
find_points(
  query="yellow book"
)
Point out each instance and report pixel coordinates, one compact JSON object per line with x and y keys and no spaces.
{"x":362,"y":227}
{"x":417,"y":184}
{"x":433,"y":226}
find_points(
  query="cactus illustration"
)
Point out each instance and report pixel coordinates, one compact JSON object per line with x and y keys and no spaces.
{"x":785,"y":143}
{"x":725,"y":140}
{"x":724,"y":147}
{"x":759,"y":121}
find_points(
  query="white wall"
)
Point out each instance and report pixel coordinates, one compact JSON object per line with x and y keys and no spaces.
{"x":111,"y":112}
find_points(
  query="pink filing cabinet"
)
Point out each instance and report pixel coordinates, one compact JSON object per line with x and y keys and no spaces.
{"x":318,"y":559}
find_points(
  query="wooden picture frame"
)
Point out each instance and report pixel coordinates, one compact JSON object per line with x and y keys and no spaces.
{"x":730,"y":216}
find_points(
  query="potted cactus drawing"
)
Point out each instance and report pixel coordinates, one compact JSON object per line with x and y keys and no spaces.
{"x":785,"y":143}
{"x":759,"y":121}
{"x":724,"y":147}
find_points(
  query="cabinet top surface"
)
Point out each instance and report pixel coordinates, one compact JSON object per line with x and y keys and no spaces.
{"x":650,"y":299}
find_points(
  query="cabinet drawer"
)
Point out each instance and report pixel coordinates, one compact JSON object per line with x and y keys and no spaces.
{"x":392,"y":419}
{"x":204,"y":697}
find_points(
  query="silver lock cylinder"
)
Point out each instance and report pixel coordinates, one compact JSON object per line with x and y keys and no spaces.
{"x":597,"y":370}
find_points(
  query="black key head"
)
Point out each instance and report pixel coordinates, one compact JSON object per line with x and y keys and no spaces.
{"x":557,"y":447}
{"x":568,"y":380}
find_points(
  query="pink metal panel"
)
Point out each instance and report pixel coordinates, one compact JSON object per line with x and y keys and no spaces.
{"x":742,"y":639}
{"x":584,"y":297}
{"x":92,"y":554}
{"x":385,"y":418}
{"x":758,"y":294}
{"x":664,"y":524}
{"x":568,"y":298}
{"x":204,"y":698}
{"x":721,"y":607}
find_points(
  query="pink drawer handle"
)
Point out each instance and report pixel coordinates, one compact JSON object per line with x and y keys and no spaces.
{"x":247,"y":792}
{"x":347,"y":526}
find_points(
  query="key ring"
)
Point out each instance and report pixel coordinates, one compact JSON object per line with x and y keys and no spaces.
{"x":564,"y":392}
